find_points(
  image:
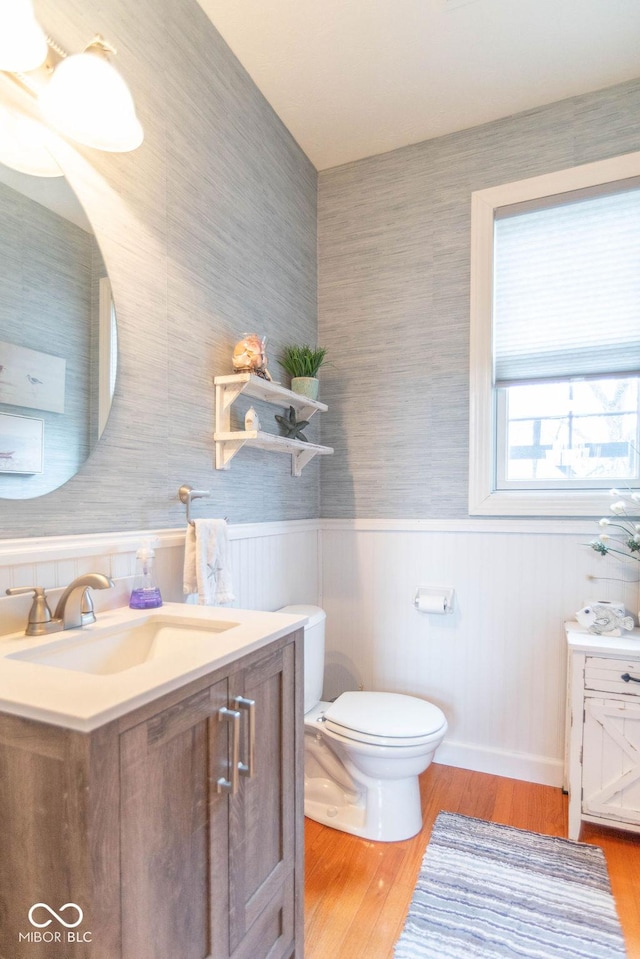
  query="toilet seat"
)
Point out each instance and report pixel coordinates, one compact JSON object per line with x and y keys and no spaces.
{"x":384,"y":719}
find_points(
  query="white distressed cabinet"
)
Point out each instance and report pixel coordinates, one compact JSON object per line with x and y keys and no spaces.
{"x":602,"y":768}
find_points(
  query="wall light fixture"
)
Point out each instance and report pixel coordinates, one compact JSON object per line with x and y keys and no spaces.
{"x":23,"y":44}
{"x":82,"y":95}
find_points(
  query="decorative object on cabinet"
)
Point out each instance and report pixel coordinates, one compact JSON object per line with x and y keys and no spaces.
{"x":292,"y":426}
{"x":21,"y":444}
{"x":604,"y":619}
{"x":228,"y":441}
{"x":302,"y":364}
{"x":620,"y":536}
{"x":602,"y":761}
{"x":249,"y":355}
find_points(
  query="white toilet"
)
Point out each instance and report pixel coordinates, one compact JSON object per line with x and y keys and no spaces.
{"x":363,"y":752}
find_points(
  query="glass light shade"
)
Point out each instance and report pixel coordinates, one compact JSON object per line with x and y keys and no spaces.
{"x":23,"y":45}
{"x":23,"y":145}
{"x":87,"y":100}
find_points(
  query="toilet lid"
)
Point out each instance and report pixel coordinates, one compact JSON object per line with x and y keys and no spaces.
{"x":387,"y":716}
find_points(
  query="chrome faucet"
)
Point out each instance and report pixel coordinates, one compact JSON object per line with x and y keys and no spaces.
{"x":75,"y":606}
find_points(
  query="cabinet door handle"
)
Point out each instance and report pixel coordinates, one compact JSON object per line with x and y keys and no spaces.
{"x":248,"y":706}
{"x":629,"y":679}
{"x":231,"y":716}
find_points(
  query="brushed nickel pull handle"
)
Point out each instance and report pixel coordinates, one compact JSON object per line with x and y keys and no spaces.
{"x":629,"y":679}
{"x":248,"y":706}
{"x":231,"y":716}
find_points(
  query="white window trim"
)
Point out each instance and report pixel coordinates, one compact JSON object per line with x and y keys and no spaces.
{"x":484,"y":499}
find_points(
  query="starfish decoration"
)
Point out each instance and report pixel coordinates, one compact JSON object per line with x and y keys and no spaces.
{"x":292,"y":428}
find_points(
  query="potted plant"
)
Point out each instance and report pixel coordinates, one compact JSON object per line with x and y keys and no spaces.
{"x":302,"y":364}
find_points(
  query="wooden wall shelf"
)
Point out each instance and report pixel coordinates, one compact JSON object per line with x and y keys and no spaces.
{"x":229,"y":442}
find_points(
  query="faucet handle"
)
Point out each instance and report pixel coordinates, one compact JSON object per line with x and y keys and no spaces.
{"x":39,"y":614}
{"x":87,"y":614}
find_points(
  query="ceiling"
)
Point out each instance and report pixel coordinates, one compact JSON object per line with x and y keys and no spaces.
{"x":354,"y":78}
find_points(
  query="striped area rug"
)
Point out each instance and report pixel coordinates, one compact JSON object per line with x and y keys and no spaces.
{"x":492,"y":891}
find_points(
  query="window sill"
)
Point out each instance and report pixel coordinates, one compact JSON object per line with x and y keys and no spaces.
{"x":563,"y":503}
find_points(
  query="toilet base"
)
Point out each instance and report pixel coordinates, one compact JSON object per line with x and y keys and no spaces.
{"x":386,"y":811}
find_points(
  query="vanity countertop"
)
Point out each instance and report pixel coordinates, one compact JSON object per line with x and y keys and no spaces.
{"x":83,"y":700}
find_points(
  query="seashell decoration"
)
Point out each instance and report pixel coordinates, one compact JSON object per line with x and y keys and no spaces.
{"x":249,"y":355}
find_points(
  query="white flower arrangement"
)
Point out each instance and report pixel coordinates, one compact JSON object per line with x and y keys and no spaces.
{"x":622,"y":538}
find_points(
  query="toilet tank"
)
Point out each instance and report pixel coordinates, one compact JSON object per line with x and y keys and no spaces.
{"x":313,"y":651}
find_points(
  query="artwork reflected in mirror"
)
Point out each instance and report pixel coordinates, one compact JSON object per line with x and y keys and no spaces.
{"x":58,"y":337}
{"x":21,"y":444}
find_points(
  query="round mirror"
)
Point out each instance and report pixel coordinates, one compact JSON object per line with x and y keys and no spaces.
{"x":58,"y":337}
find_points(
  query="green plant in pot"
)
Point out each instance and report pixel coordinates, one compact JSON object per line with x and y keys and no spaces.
{"x":302,"y":364}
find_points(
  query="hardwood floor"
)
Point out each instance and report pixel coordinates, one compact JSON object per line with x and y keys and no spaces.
{"x":357,"y":892}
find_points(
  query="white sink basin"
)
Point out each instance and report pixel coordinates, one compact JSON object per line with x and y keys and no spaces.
{"x":119,"y":649}
{"x":82,"y":678}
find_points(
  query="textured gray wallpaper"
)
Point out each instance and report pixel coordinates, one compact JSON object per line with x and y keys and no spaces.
{"x":208,"y":231}
{"x":393,"y":244}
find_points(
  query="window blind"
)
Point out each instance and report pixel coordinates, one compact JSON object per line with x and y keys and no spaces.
{"x":567,"y":290}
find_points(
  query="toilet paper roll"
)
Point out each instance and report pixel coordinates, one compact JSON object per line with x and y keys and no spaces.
{"x":431,"y":603}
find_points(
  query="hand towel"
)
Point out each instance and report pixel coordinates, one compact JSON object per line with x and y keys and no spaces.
{"x":207,"y":571}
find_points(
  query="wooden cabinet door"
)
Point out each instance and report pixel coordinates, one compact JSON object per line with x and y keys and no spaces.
{"x":257,"y":919}
{"x":209,"y":874}
{"x":611,"y":760}
{"x":168,"y":800}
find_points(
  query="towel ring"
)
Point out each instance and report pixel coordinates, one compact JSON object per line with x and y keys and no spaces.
{"x":187,"y":494}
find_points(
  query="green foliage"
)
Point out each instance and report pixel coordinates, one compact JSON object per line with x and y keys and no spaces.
{"x":302,"y":360}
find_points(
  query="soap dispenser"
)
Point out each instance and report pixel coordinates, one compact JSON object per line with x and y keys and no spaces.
{"x":145,"y":594}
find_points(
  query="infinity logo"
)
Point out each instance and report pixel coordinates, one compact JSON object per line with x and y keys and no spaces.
{"x":47,"y":922}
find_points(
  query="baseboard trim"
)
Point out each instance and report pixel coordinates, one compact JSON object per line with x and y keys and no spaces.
{"x":498,"y":762}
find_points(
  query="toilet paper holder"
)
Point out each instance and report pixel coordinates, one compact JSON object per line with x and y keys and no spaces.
{"x":434,"y":599}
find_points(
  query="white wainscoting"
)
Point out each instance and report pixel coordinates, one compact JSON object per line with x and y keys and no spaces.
{"x":273,"y":564}
{"x":496,"y":666}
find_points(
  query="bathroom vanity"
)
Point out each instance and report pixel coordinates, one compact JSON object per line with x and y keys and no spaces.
{"x":170,"y":813}
{"x":602,"y":766}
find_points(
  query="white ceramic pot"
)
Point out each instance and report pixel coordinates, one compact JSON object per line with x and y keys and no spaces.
{"x":306,"y":386}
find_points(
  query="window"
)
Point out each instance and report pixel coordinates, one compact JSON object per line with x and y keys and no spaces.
{"x":555,"y":341}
